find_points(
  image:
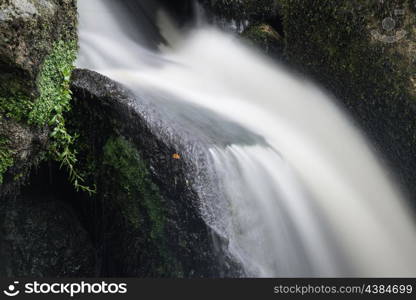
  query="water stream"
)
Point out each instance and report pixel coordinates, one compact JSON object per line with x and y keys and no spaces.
{"x":292,"y":185}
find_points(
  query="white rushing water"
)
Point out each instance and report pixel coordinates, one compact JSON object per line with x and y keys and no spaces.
{"x":313,"y":200}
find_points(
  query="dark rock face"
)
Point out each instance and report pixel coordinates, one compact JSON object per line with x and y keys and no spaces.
{"x":149,"y":225}
{"x":27,"y":145}
{"x":251,"y":10}
{"x":40,"y":236}
{"x":183,"y":9}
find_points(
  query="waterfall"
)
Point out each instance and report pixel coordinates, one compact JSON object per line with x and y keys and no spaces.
{"x":291,"y":184}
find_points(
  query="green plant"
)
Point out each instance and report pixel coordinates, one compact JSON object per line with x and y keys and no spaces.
{"x":53,"y":103}
{"x":48,"y":109}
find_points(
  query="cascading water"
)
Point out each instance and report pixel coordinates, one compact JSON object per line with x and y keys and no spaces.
{"x":291,"y":184}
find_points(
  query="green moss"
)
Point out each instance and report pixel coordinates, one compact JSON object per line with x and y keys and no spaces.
{"x":134,"y":180}
{"x":6,"y":159}
{"x":139,"y":200}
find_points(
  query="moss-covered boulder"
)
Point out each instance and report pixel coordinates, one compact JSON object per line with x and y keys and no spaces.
{"x":28,"y":30}
{"x":38,"y":43}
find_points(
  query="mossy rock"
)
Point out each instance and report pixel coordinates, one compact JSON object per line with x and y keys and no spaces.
{"x":38,"y":45}
{"x":142,"y":212}
{"x":28,"y":30}
{"x":266,"y":38}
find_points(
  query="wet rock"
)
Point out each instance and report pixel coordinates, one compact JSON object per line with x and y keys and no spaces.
{"x":155,"y":228}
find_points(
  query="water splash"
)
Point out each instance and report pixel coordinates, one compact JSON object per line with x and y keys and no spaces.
{"x":309,"y":198}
